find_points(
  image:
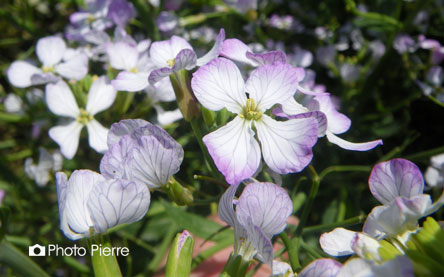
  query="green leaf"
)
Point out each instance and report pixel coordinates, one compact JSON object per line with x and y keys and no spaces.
{"x":17,"y":261}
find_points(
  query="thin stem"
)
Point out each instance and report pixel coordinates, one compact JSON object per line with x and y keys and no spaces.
{"x":292,"y":251}
{"x":211,"y":180}
{"x":208,"y":161}
{"x":342,"y":168}
{"x":350,"y":221}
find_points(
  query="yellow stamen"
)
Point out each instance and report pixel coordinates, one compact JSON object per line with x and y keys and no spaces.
{"x":84,"y":117}
{"x":250,"y":111}
{"x":171,"y":62}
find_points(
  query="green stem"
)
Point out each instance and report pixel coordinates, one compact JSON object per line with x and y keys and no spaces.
{"x":343,"y":168}
{"x":103,"y":264}
{"x":324,"y":227}
{"x":208,"y":161}
{"x":292,"y":251}
{"x":211,"y":180}
{"x":162,"y":249}
{"x":210,"y":252}
{"x":425,"y":154}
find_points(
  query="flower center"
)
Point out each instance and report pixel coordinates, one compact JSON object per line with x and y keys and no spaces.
{"x":90,"y":18}
{"x":84,"y":117}
{"x":171,"y":62}
{"x":47,"y":69}
{"x":134,"y":70}
{"x":250,"y":111}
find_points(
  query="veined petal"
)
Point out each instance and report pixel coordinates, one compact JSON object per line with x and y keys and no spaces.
{"x":287,"y":145}
{"x":122,"y":55}
{"x":185,"y":59}
{"x":292,"y":107}
{"x":101,"y":96}
{"x":272,"y":84}
{"x":397,"y":177}
{"x":225,"y":208}
{"x":43,"y":78}
{"x":338,"y":123}
{"x":366,"y":247}
{"x":78,"y":218}
{"x":112,"y":165}
{"x":267,"y":58}
{"x":124,"y":127}
{"x":337,"y":242}
{"x":20,"y":73}
{"x":320,"y":117}
{"x":282,"y":269}
{"x":159,"y":74}
{"x":67,"y":137}
{"x":128,"y":81}
{"x":234,"y":150}
{"x":321,"y":267}
{"x":267,"y":205}
{"x":50,"y":50}
{"x":97,"y":136}
{"x":113,"y":202}
{"x":219,"y":84}
{"x":74,"y":68}
{"x":163,"y":51}
{"x":236,"y":50}
{"x":62,"y":186}
{"x":214,"y":52}
{"x":361,"y":146}
{"x":60,"y":100}
{"x":260,"y":241}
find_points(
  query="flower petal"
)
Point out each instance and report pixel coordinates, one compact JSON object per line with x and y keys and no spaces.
{"x":128,"y":81}
{"x":234,"y":150}
{"x":225,"y":208}
{"x":43,"y":78}
{"x":361,"y":146}
{"x":267,"y":58}
{"x":163,"y":51}
{"x":113,"y":202}
{"x":287,"y":145}
{"x":50,"y":50}
{"x":97,"y":136}
{"x":272,"y":84}
{"x":321,"y":267}
{"x":165,"y":118}
{"x":338,"y":123}
{"x":261,"y":242}
{"x":397,"y":177}
{"x":236,"y":50}
{"x":67,"y":137}
{"x":159,"y":74}
{"x":337,"y":242}
{"x":75,"y":68}
{"x":267,"y":205}
{"x":112,"y":165}
{"x":214,"y":52}
{"x":219,"y":84}
{"x":101,"y":96}
{"x":122,"y":55}
{"x":20,"y":73}
{"x":185,"y":59}
{"x":60,"y":100}
{"x":124,"y":127}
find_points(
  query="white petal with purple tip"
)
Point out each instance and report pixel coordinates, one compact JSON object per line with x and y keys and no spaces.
{"x":354,"y":146}
{"x":161,"y":52}
{"x":236,"y":50}
{"x":124,"y":127}
{"x":337,"y":122}
{"x":321,"y":267}
{"x":214,"y":52}
{"x":267,"y":58}
{"x":112,"y":165}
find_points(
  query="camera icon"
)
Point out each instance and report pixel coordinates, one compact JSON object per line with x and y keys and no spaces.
{"x":36,"y":250}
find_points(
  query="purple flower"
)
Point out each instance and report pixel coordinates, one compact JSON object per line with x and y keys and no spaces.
{"x":120,"y":12}
{"x":261,"y":212}
{"x":404,"y":43}
{"x":286,"y":145}
{"x":167,"y":21}
{"x":141,"y":152}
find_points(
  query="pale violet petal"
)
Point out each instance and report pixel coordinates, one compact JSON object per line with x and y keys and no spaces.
{"x":62,"y":188}
{"x":292,"y":107}
{"x":67,"y":137}
{"x":159,"y":74}
{"x":214,"y":52}
{"x":281,"y":269}
{"x":97,"y":136}
{"x":267,"y":205}
{"x":236,"y":50}
{"x":399,"y":266}
{"x":185,"y":59}
{"x":60,"y":100}
{"x":267,"y":58}
{"x":112,"y":165}
{"x":397,"y":177}
{"x":50,"y":50}
{"x":320,"y":117}
{"x":366,"y":247}
{"x":43,"y":78}
{"x":225,"y":208}
{"x":356,"y":267}
{"x":124,"y":127}
{"x":218,"y":85}
{"x":337,"y":242}
{"x":161,"y":91}
{"x":122,"y":55}
{"x":128,"y":81}
{"x":161,"y":52}
{"x":234,"y":150}
{"x":74,"y":68}
{"x":338,"y":123}
{"x":321,"y":268}
{"x":101,"y":96}
{"x":20,"y":72}
{"x":113,"y":202}
{"x":78,"y":218}
{"x":272,"y":84}
{"x":359,"y":146}
{"x":287,"y":145}
{"x":260,"y":241}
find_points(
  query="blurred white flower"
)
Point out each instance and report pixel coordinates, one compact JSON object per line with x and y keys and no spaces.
{"x":48,"y":163}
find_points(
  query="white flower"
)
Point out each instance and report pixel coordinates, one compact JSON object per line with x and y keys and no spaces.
{"x":61,"y":101}
{"x":40,"y":172}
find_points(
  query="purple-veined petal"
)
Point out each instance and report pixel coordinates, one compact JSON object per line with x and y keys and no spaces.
{"x":67,"y":137}
{"x":267,"y":205}
{"x":50,"y":50}
{"x":287,"y":145}
{"x":97,"y":136}
{"x":185,"y":59}
{"x":218,"y":85}
{"x":159,"y":74}
{"x":62,"y":187}
{"x":281,"y":269}
{"x":112,"y":165}
{"x":337,"y":242}
{"x":272,"y":84}
{"x":128,"y":81}
{"x":320,"y":117}
{"x":60,"y":100}
{"x":356,"y":267}
{"x":260,"y":241}
{"x":78,"y":219}
{"x":397,"y":177}
{"x":161,"y":52}
{"x":113,"y":202}
{"x":124,"y":127}
{"x":122,"y":55}
{"x":43,"y":78}
{"x":292,"y":107}
{"x":214,"y":52}
{"x":20,"y":73}
{"x":267,"y":58}
{"x":234,"y":150}
{"x":321,"y":267}
{"x":371,"y":225}
{"x":366,"y":247}
{"x":236,"y":50}
{"x":313,"y":92}
{"x":225,"y":209}
{"x":359,"y":146}
{"x":74,"y":68}
{"x":120,"y":12}
{"x":101,"y":96}
{"x":338,"y":123}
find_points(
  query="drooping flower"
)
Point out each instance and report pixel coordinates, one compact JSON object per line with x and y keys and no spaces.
{"x":261,"y":212}
{"x":141,"y":152}
{"x":55,"y":58}
{"x":286,"y":145}
{"x":88,"y":203}
{"x":47,"y":164}
{"x":61,"y":101}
